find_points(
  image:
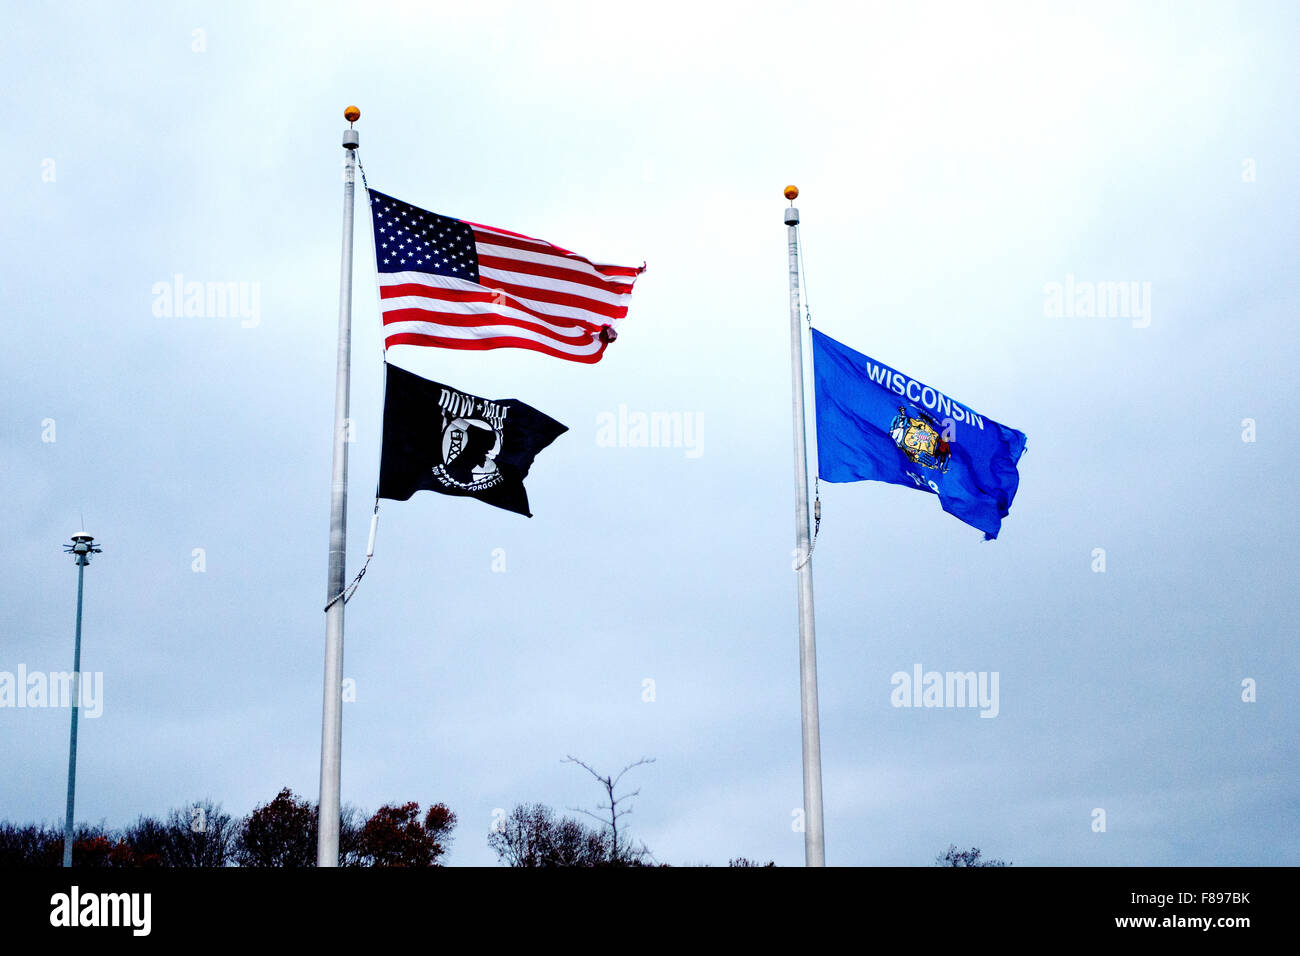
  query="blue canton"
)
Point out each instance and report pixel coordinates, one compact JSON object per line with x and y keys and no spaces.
{"x":411,"y":239}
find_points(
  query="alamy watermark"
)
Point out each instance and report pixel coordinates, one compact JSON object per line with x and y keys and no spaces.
{"x":54,"y":689}
{"x":1100,"y":300}
{"x":632,"y":429}
{"x":946,"y":689}
{"x":179,"y":299}
{"x":75,"y":908}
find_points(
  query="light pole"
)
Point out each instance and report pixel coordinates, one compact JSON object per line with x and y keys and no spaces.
{"x":83,"y":546}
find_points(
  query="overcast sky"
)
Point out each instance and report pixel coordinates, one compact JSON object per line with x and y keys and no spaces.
{"x":954,"y":160}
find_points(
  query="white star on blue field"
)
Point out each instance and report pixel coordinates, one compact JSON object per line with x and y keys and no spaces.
{"x":413,"y":238}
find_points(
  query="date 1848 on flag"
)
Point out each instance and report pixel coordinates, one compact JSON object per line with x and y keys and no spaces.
{"x":438,"y":438}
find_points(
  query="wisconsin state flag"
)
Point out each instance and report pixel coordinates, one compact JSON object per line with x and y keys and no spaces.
{"x":876,"y":424}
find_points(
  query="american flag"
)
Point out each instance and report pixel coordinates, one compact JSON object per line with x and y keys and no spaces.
{"x":453,"y":284}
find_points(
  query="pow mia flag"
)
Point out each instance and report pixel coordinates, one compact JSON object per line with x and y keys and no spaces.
{"x":437,"y":438}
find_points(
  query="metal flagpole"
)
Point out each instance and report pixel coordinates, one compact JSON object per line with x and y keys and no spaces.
{"x":83,"y":546}
{"x":814,"y":847}
{"x":331,"y":735}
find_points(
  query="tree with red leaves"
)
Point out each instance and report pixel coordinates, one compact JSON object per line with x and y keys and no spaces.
{"x":282,"y":833}
{"x":395,"y":836}
{"x":92,"y":851}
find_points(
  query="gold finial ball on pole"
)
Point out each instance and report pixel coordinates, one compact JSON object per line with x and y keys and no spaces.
{"x":352,"y":114}
{"x":792,"y":193}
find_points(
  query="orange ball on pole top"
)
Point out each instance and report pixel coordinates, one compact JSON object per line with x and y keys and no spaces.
{"x":352,"y":114}
{"x":792,"y":193}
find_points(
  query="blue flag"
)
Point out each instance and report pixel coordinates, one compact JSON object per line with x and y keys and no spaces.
{"x":877,"y":424}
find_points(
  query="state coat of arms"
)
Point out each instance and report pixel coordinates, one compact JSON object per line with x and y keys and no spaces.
{"x":918,"y":438}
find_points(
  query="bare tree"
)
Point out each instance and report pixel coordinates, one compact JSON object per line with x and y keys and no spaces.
{"x":533,"y":836}
{"x":201,"y":834}
{"x":972,"y":857}
{"x":351,"y":820}
{"x":619,"y":854}
{"x":149,"y":842}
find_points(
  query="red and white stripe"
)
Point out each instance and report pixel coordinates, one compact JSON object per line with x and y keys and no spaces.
{"x":530,"y":295}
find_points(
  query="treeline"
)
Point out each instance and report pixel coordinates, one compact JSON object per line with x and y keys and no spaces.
{"x":281,"y":833}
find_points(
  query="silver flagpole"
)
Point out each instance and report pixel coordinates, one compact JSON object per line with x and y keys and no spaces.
{"x":331,"y":733}
{"x":814,"y":846}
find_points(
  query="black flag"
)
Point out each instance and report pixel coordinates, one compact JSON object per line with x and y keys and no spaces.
{"x":437,"y":438}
